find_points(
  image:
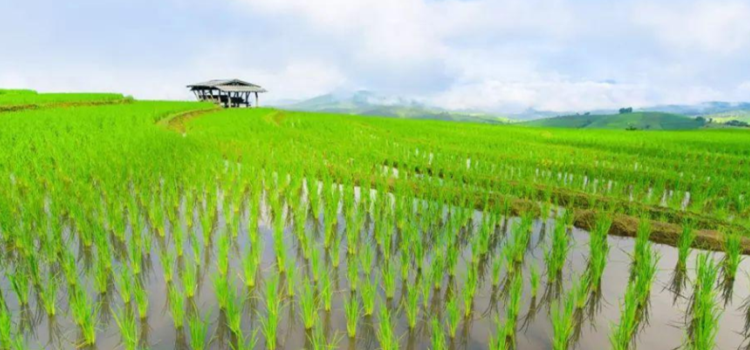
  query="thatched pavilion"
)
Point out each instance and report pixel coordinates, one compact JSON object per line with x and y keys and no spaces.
{"x":229,"y":92}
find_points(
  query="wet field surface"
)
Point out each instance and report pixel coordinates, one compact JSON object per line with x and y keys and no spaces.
{"x":664,"y":324}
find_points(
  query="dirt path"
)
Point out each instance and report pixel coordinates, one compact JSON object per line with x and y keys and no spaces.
{"x":177,"y":122}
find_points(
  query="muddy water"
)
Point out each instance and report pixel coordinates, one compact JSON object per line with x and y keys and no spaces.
{"x":664,"y":327}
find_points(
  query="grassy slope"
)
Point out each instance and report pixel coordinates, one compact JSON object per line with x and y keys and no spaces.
{"x":10,"y":98}
{"x":639,"y":120}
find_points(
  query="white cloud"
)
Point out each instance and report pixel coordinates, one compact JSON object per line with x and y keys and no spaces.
{"x":477,"y":54}
{"x":549,"y":95}
{"x":720,"y":27}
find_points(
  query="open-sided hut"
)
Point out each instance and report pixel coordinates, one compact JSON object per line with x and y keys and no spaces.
{"x":228,"y":92}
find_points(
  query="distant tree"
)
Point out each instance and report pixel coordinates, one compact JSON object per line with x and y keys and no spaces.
{"x":626,"y":110}
{"x":631,"y":128}
{"x":587,"y":113}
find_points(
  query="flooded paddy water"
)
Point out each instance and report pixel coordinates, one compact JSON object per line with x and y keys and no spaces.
{"x":662,"y":326}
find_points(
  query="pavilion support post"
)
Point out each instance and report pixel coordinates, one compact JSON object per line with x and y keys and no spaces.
{"x":256,"y":100}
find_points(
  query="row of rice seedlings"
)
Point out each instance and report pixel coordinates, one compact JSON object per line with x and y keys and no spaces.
{"x":704,"y":308}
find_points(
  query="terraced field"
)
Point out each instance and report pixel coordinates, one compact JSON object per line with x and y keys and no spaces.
{"x":185,"y":226}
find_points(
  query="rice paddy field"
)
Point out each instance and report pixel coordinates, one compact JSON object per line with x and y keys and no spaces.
{"x":177,"y":225}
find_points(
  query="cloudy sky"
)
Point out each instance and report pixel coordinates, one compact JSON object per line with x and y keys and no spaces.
{"x":493,"y":55}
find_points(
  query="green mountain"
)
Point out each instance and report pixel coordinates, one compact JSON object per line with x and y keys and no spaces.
{"x":634,"y":120}
{"x":369,"y":104}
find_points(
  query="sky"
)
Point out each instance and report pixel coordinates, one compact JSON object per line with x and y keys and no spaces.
{"x":492,"y":55}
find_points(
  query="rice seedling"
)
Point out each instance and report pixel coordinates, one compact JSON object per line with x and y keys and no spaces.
{"x":500,"y":340}
{"x":562,"y":322}
{"x":248,"y":342}
{"x":167,"y":260}
{"x":556,"y":255}
{"x":411,"y":307}
{"x":369,"y":294}
{"x":318,"y":340}
{"x":352,"y":310}
{"x":624,"y":331}
{"x":534,"y":279}
{"x":125,"y":285}
{"x":85,"y":314}
{"x":326,"y":291}
{"x":222,"y":255}
{"x":233,"y":312}
{"x":385,"y":332}
{"x":513,"y":306}
{"x":366,"y":259}
{"x":141,"y":300}
{"x":599,"y":251}
{"x":733,"y":255}
{"x":189,"y":277}
{"x":176,"y":306}
{"x":684,"y":244}
{"x":6,"y":328}
{"x":389,"y":280}
{"x":425,"y":289}
{"x":48,"y":295}
{"x":438,"y":338}
{"x":353,"y":274}
{"x":290,"y":277}
{"x":270,"y":325}
{"x":704,"y":309}
{"x":222,"y":290}
{"x":20,"y":283}
{"x":453,"y":315}
{"x":198,"y":331}
{"x":128,"y":329}
{"x":496,"y":268}
{"x":309,"y":304}
{"x":250,"y":265}
{"x":470,"y":290}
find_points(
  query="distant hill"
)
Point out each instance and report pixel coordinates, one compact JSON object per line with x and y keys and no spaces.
{"x":370,"y":104}
{"x":741,"y":115}
{"x":701,"y":109}
{"x":634,"y":120}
